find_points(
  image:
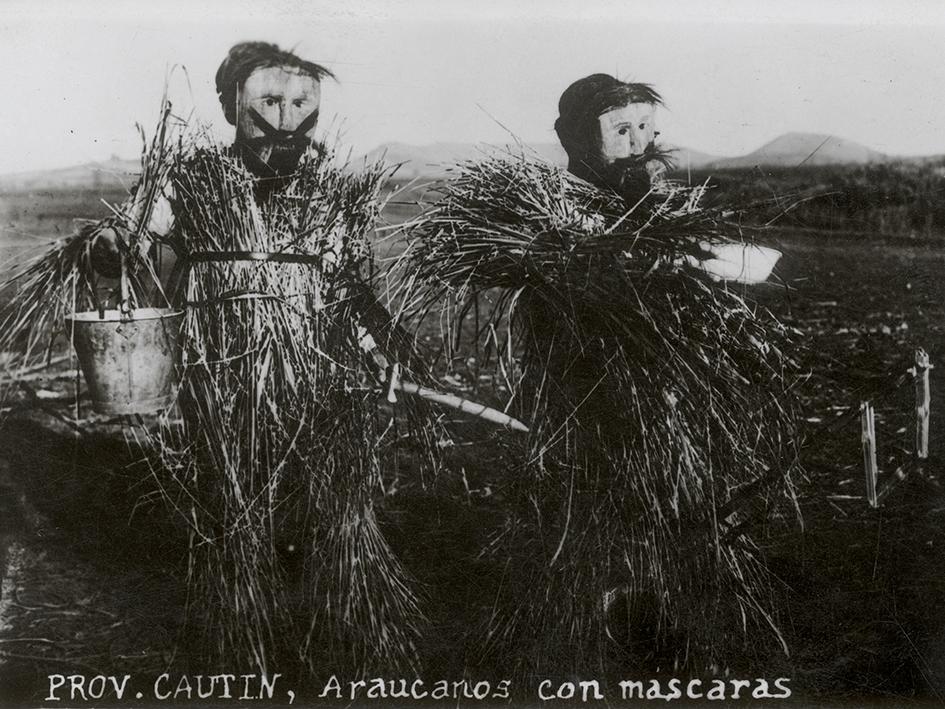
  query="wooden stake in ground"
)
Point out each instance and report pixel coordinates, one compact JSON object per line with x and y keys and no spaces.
{"x":868,"y":438}
{"x":923,"y":401}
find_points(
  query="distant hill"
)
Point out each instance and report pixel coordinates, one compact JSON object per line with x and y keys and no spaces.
{"x":793,"y":149}
{"x":686,"y":158}
{"x":114,"y":173}
{"x":433,"y":161}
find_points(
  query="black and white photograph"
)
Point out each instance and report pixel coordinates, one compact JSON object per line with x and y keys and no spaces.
{"x":418,"y":353}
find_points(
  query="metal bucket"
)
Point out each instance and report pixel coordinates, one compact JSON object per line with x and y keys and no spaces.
{"x":130,"y":364}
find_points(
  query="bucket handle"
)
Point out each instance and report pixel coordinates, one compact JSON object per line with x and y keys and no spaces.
{"x":125,"y":305}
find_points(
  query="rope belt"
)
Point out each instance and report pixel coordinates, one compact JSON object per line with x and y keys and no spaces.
{"x":237,"y":295}
{"x":228,"y":256}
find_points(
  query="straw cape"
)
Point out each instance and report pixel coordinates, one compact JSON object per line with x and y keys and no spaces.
{"x":275,"y":452}
{"x":281,"y":431}
{"x":658,"y":405}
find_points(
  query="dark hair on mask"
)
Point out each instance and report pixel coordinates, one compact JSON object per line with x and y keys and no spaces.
{"x":244,"y":58}
{"x":586,"y":99}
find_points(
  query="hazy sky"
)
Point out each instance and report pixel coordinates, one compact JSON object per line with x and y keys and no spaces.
{"x":79,"y":74}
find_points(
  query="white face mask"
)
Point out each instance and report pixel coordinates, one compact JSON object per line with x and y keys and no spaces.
{"x":627,"y":131}
{"x":282,"y":97}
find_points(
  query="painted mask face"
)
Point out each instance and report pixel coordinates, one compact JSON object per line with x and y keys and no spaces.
{"x":277,"y":111}
{"x":626,"y":132}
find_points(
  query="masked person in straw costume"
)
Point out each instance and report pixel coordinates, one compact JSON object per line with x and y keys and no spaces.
{"x":275,"y":462}
{"x":655,"y":397}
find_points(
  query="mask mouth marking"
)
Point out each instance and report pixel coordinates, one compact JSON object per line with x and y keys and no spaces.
{"x":274,"y":134}
{"x":287,"y":146}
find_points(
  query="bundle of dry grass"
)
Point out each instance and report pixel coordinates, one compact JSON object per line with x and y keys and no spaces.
{"x":53,"y":283}
{"x":59,"y":279}
{"x":657,"y":401}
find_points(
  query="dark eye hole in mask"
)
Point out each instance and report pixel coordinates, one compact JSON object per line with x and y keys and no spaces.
{"x":287,"y":146}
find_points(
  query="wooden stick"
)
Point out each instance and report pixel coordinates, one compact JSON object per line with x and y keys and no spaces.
{"x":394,"y":380}
{"x":923,"y":403}
{"x":868,"y":439}
{"x":460,"y":404}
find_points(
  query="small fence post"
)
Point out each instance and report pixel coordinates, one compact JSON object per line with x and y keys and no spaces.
{"x":923,"y":403}
{"x":868,"y":438}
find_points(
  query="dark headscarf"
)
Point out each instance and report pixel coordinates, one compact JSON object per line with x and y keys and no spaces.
{"x":244,"y":58}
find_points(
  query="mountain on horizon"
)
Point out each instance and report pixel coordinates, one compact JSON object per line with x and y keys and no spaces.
{"x":789,"y":150}
{"x":434,"y":161}
{"x":795,"y":149}
{"x":112,"y":174}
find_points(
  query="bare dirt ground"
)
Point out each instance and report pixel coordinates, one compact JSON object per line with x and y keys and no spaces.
{"x":93,"y":566}
{"x":863,"y":594}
